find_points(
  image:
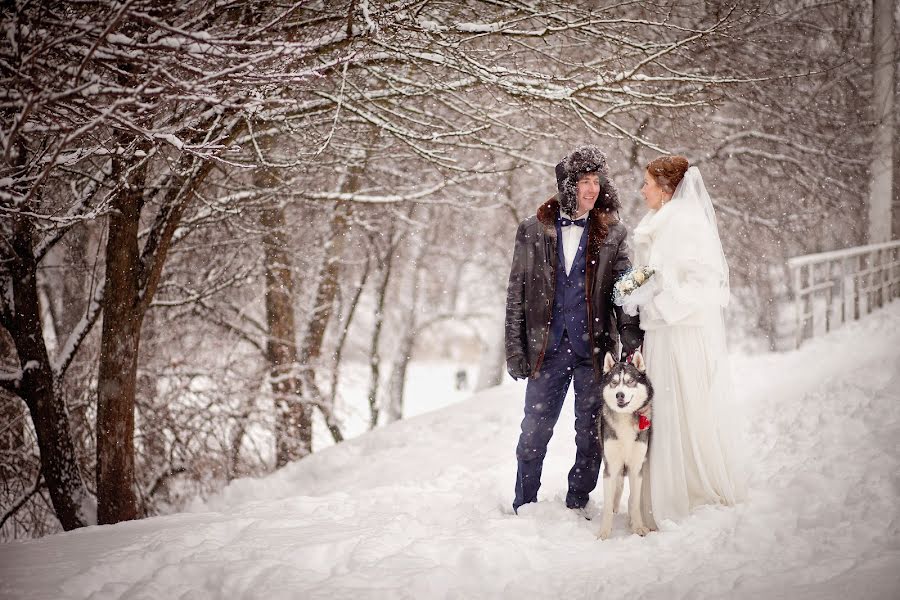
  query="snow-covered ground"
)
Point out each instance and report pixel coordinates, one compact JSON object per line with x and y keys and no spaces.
{"x":419,"y":509}
{"x":430,"y":384}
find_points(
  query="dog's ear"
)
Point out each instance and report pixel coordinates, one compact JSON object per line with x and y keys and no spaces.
{"x":638,"y":361}
{"x":608,"y":362}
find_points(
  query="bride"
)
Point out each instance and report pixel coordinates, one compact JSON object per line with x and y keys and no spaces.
{"x":691,"y":459}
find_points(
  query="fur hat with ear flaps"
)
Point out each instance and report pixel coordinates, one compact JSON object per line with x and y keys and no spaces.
{"x":585,"y":159}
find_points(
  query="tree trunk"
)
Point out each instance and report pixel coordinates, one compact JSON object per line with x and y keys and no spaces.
{"x":323,"y":307}
{"x":59,"y":463}
{"x":342,"y":338}
{"x":492,"y":365}
{"x":12,"y":420}
{"x":12,"y":410}
{"x":375,"y":357}
{"x":321,"y":314}
{"x":119,"y":343}
{"x":882,"y":167}
{"x":327,"y":290}
{"x":767,"y":318}
{"x":293,"y":423}
{"x":234,"y":448}
{"x":397,"y":385}
{"x":132,"y":277}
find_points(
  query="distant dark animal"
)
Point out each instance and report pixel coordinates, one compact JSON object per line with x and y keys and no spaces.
{"x":462,"y":379}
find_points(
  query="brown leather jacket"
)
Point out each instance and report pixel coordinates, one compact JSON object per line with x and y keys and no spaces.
{"x":532,"y":279}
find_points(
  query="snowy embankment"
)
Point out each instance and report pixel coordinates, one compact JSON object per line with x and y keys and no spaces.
{"x":419,"y":509}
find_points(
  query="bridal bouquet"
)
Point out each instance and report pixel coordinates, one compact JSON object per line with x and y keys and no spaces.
{"x":627,"y":291}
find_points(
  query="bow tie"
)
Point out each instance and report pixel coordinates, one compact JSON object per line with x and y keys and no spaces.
{"x":564,"y":222}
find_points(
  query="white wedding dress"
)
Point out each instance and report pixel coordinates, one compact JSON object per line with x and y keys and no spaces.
{"x":693,"y":456}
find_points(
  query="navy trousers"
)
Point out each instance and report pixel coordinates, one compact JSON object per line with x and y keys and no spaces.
{"x":544,"y":398}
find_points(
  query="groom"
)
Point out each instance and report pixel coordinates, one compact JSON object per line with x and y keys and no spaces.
{"x":559,"y":316}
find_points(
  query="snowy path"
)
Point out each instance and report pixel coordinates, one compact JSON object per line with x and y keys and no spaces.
{"x":418,"y":509}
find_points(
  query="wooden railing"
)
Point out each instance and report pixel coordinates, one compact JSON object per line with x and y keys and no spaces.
{"x":831,"y":288}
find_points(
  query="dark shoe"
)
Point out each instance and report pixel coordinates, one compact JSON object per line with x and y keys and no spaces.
{"x":581,"y":511}
{"x":515,"y":508}
{"x":589,"y":510}
{"x":574,"y":504}
{"x":576,"y":500}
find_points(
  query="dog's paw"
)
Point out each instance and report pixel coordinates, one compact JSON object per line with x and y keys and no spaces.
{"x":641,"y":531}
{"x":604,"y":533}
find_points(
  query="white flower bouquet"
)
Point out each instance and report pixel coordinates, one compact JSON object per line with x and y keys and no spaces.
{"x":630,"y":290}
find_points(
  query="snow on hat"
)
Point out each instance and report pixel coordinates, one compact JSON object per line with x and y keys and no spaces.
{"x":585,"y":159}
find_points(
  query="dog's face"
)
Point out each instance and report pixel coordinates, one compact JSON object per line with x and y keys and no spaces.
{"x":625,"y":386}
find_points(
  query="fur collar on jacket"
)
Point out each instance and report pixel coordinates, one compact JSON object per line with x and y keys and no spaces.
{"x":599,"y":221}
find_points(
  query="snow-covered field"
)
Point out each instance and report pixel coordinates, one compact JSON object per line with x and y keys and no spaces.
{"x":419,"y":509}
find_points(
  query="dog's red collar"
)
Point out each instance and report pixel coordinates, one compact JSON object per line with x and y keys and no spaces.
{"x":643,"y":422}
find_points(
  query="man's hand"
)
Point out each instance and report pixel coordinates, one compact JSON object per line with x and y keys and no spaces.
{"x":517,"y":367}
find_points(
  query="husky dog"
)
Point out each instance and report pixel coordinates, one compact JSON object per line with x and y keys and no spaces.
{"x":625,"y":435}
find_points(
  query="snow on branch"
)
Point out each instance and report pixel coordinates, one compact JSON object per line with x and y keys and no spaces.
{"x":79,"y":333}
{"x":372,"y":199}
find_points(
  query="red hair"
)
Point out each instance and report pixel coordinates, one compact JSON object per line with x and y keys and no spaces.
{"x":668,"y":171}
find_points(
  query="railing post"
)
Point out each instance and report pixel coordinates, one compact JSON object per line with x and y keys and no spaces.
{"x":843,"y":290}
{"x":795,"y":276}
{"x":876,"y":260}
{"x":809,"y":307}
{"x":857,"y":291}
{"x":895,"y":272}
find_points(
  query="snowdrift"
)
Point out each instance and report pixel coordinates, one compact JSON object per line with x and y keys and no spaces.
{"x":420,"y":509}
